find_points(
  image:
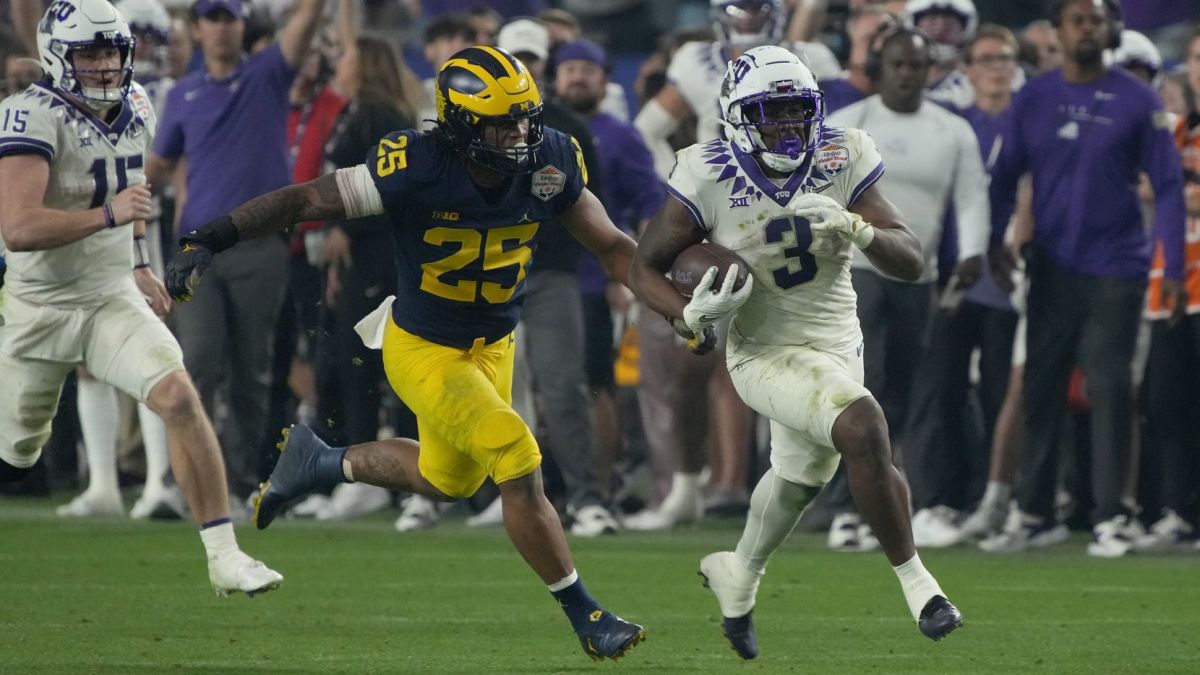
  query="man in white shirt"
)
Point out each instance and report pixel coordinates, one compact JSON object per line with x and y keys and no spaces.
{"x":932,"y":157}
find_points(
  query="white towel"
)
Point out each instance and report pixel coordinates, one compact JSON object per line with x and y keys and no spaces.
{"x":370,"y":329}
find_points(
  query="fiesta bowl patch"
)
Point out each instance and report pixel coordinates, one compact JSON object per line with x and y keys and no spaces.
{"x":833,"y":159}
{"x":547,"y":182}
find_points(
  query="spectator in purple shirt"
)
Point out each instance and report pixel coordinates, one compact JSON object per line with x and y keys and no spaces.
{"x":228,"y":122}
{"x":1084,"y":133}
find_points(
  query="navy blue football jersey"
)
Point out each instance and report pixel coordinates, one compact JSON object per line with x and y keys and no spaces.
{"x":461,"y":260}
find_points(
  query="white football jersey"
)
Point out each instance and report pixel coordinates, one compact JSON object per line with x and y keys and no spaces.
{"x":802,"y":293}
{"x":698,"y":68}
{"x":90,"y":162}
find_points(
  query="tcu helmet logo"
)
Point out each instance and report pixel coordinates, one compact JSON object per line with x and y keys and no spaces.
{"x":547,"y":182}
{"x":59,"y":11}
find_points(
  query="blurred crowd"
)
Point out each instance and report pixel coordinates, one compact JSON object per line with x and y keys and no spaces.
{"x":1006,"y":440}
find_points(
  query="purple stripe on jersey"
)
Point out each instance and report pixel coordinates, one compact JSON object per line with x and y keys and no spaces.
{"x":781,"y":195}
{"x":689,"y":205}
{"x":124,"y":115}
{"x":865,"y":183}
{"x":12,"y":145}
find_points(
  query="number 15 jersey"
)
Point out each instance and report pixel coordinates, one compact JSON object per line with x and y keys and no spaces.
{"x":802,"y":293}
{"x":91,"y":160}
{"x":462,"y":258}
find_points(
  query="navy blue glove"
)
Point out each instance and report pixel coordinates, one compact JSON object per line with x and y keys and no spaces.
{"x":196,"y":254}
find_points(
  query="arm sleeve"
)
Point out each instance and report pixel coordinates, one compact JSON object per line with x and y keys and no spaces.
{"x":684,"y":186}
{"x":360,"y":197}
{"x":865,"y":168}
{"x":971,"y":208}
{"x":1160,"y":160}
{"x":27,"y":128}
{"x":1007,"y":171}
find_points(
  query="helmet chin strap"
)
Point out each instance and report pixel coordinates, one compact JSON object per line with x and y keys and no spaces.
{"x":781,"y":162}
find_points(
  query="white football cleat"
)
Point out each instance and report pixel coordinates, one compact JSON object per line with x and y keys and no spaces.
{"x":419,"y":513}
{"x":734,"y":585}
{"x":1170,"y":533}
{"x":1022,"y":532}
{"x":236,"y":572}
{"x":677,"y":509}
{"x":91,"y":505}
{"x":843,"y":532}
{"x":593,"y":520}
{"x":986,"y":520}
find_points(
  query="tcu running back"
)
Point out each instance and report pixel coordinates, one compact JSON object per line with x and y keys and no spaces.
{"x":78,"y":292}
{"x":793,"y":198}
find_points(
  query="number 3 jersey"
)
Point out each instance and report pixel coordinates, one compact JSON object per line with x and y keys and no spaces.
{"x":90,"y":162}
{"x":462,"y":255}
{"x":802,"y":293}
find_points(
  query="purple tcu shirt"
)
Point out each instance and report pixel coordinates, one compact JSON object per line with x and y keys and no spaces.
{"x":632,"y":189}
{"x":1085,"y":145}
{"x":233,"y":133}
{"x":987,"y":130}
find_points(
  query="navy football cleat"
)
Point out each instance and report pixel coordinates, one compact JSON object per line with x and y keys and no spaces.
{"x":740,"y":633}
{"x":608,"y":636}
{"x":298,"y":472}
{"x":939,"y":618}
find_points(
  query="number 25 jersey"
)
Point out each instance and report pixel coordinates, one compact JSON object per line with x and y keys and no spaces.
{"x":802,"y":293}
{"x":462,"y":259}
{"x":90,"y":162}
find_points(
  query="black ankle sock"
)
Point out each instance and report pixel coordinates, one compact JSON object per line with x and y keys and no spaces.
{"x":577,"y":603}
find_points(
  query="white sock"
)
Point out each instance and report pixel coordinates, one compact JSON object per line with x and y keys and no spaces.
{"x":918,"y":584}
{"x":98,"y":421}
{"x":775,"y":508}
{"x":154,"y":440}
{"x":218,"y":539}
{"x":997,"y":493}
{"x":565,"y":582}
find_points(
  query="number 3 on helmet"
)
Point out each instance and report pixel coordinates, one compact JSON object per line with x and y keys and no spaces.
{"x":72,"y":25}
{"x":481,"y":85}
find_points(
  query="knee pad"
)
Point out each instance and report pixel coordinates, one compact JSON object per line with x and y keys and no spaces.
{"x":509,"y":445}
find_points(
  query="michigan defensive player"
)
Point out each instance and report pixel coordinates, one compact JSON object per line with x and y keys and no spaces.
{"x":777,"y":193}
{"x":72,"y":197}
{"x":467,"y":201}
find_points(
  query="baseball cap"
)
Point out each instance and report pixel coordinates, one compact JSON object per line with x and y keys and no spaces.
{"x":524,"y":35}
{"x":582,"y":50}
{"x":206,"y":7}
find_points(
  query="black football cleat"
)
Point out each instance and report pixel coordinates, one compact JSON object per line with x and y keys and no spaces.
{"x":608,"y":636}
{"x":740,"y":633}
{"x":296,"y":473}
{"x":939,"y":618}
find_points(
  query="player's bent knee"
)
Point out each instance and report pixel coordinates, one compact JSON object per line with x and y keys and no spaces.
{"x":174,"y":397}
{"x":509,"y":445}
{"x":861,"y":432}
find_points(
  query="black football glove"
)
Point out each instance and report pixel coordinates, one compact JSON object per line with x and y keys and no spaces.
{"x":196,"y":254}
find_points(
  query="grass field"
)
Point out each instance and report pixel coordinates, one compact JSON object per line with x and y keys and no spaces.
{"x":113,"y":596}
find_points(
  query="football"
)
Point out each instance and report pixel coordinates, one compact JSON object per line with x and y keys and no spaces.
{"x":691,"y":264}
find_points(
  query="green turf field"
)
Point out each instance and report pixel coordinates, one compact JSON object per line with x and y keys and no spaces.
{"x":113,"y":596}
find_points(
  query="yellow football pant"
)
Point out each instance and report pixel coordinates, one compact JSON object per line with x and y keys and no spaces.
{"x":463,"y":402}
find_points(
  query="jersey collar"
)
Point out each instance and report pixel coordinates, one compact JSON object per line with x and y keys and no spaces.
{"x":781,"y":194}
{"x":74,"y":111}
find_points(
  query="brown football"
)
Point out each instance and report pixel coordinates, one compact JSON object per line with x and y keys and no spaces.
{"x":691,"y":264}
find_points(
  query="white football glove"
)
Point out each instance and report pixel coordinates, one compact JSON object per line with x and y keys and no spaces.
{"x":707,"y":307}
{"x":825,"y":215}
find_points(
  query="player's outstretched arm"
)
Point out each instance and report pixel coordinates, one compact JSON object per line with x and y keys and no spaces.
{"x":894,"y":249}
{"x":27,"y":225}
{"x":668,"y":234}
{"x":278,"y":210}
{"x":588,"y":222}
